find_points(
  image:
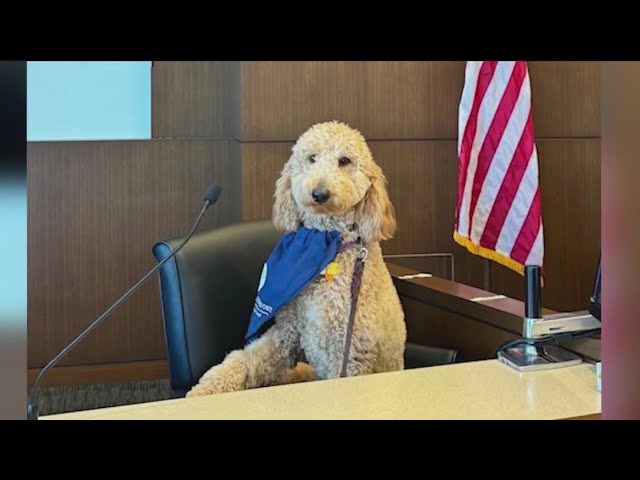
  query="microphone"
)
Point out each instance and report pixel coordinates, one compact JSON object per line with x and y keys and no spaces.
{"x":210,"y":197}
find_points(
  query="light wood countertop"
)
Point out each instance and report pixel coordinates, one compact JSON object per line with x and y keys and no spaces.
{"x":474,"y":390}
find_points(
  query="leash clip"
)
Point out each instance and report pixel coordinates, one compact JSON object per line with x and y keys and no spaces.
{"x":363,"y":253}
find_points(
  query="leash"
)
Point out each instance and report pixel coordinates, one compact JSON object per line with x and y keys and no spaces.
{"x":356,"y":282}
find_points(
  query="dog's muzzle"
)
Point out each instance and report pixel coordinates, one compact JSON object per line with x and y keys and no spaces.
{"x":320,"y":195}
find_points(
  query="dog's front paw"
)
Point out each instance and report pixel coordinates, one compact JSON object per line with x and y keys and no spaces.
{"x":204,"y":389}
{"x":229,"y":376}
{"x":302,"y":372}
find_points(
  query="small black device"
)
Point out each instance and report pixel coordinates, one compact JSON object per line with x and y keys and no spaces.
{"x":594,"y":301}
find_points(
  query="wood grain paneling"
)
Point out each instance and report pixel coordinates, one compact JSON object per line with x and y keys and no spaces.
{"x":429,"y":325}
{"x":570,"y":195}
{"x":261,"y":166}
{"x":402,"y":100}
{"x":102,"y":373}
{"x":95,"y":211}
{"x":424,"y":322}
{"x":565,"y":98}
{"x":385,"y":100}
{"x":420,"y":175}
{"x":474,"y":340}
{"x":259,"y":101}
{"x":469,"y":269}
{"x":190,"y":99}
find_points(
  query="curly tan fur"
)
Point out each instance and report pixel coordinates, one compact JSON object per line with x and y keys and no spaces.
{"x":307,"y":340}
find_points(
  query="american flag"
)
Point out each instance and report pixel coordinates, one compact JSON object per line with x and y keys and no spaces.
{"x":498,"y":212}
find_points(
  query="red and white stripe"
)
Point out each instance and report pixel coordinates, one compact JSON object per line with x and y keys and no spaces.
{"x":498,"y":212}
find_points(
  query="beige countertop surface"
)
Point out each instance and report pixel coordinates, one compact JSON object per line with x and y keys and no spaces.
{"x":474,"y":390}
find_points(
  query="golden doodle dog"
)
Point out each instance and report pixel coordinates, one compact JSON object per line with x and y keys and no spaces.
{"x":329,"y":185}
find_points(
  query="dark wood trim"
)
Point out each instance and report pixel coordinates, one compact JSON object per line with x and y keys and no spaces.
{"x":453,"y":297}
{"x":504,"y":314}
{"x":102,"y":373}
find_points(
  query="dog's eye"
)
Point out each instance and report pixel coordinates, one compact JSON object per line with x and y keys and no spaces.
{"x":311,"y":158}
{"x":344,"y":161}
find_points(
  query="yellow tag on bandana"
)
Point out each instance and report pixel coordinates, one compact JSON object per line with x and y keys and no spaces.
{"x":331,"y":271}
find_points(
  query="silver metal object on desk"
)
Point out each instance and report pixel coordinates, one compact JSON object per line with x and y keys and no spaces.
{"x":532,"y":354}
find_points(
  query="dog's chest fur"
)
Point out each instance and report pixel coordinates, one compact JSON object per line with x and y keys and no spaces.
{"x":324,"y":307}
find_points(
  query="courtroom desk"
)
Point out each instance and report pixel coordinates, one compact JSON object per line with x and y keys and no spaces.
{"x":472,"y":390}
{"x":446,"y":314}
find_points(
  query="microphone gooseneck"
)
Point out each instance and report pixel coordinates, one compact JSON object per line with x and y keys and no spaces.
{"x":211,"y":196}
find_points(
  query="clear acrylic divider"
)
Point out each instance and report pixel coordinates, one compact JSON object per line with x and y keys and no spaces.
{"x":435,"y":264}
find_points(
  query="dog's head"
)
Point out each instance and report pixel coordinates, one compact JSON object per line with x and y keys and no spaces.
{"x":331,"y":175}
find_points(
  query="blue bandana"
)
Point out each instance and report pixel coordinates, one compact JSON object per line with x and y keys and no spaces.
{"x":297,"y":260}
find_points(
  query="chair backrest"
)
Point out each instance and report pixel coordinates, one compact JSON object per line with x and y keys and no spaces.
{"x":207,"y":292}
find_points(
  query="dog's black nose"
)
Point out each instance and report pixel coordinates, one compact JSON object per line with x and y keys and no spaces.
{"x":320,"y":194}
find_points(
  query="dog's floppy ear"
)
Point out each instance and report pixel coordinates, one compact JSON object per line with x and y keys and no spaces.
{"x":375,"y":214}
{"x":285,"y":212}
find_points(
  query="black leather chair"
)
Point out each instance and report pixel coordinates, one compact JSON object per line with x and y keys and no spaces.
{"x":207,"y":291}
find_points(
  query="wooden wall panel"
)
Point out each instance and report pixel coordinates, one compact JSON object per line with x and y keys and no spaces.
{"x":565,"y":98}
{"x":424,"y":323}
{"x":416,"y":100}
{"x":261,"y":166}
{"x":570,"y":195}
{"x":189,"y":99}
{"x":402,"y":100}
{"x":429,"y":325}
{"x":385,"y":100}
{"x":420,"y":175}
{"x":95,"y":211}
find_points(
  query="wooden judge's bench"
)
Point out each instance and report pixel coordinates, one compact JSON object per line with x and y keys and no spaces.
{"x":439,"y":313}
{"x":447,"y":314}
